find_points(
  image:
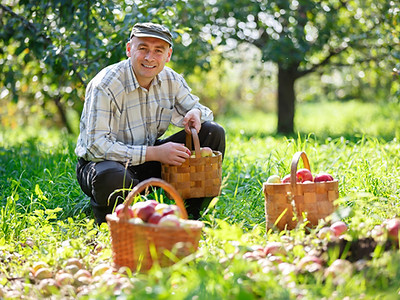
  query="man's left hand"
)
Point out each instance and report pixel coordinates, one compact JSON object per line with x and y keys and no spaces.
{"x":192,"y":119}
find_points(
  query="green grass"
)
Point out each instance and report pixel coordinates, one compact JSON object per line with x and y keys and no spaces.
{"x":44,"y":216}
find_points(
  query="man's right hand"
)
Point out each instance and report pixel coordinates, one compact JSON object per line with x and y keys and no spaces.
{"x":169,"y":153}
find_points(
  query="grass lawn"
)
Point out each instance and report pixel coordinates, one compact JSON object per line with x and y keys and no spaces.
{"x":46,"y":222}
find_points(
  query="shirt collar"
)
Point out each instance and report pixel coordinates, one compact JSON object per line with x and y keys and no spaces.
{"x":133,"y":83}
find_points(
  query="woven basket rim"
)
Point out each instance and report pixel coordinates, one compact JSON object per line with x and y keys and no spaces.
{"x":300,"y":183}
{"x":194,"y":224}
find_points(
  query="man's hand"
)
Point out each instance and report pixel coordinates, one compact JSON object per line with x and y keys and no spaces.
{"x":169,"y":153}
{"x":192,"y":119}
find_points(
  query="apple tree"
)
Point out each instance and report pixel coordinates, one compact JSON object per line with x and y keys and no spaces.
{"x":50,"y":49}
{"x":305,"y":36}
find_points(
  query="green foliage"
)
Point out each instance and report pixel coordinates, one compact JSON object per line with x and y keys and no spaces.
{"x":51,"y":49}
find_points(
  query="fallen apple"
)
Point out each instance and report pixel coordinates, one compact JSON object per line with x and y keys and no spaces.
{"x":170,"y":221}
{"x":322,"y":177}
{"x":64,"y":278}
{"x":274,"y":248}
{"x":326,"y":232}
{"x":339,"y":228}
{"x":304,"y":175}
{"x":274,"y":179}
{"x":310,"y":263}
{"x":43,"y":273}
{"x":340,"y":269}
{"x":392,"y":227}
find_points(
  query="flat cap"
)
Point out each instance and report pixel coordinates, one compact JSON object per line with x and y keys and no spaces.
{"x":152,"y":30}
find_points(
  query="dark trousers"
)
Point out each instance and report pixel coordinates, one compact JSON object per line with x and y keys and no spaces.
{"x":107,"y":182}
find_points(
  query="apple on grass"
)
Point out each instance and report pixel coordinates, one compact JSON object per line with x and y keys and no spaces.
{"x":339,"y":228}
{"x":304,"y":175}
{"x":392,"y":226}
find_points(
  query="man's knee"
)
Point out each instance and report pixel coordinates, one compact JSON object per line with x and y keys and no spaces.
{"x":213,"y":128}
{"x":110,"y":177}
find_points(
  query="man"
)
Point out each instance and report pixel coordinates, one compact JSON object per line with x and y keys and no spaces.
{"x":128,"y":107}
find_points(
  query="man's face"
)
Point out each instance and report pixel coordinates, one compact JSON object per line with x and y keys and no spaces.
{"x":148,"y":56}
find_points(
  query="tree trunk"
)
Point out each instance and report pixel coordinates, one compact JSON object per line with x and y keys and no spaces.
{"x":62,"y":113}
{"x":286,"y":99}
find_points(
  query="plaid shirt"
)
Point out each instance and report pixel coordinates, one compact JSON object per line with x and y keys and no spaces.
{"x":120,"y":118}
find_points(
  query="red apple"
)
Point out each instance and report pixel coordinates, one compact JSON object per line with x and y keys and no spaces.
{"x":286,"y":179}
{"x":326,"y":232}
{"x":339,"y":228}
{"x":322,"y":177}
{"x":169,"y":220}
{"x":135,"y":207}
{"x":119,"y":209}
{"x":144,"y":212}
{"x":274,"y":248}
{"x":304,"y":175}
{"x":310,"y":263}
{"x":172,"y":210}
{"x":154,"y":218}
{"x":392,"y":227}
{"x":152,"y":202}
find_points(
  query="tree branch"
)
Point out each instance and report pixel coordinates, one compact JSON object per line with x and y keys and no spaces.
{"x":32,"y":28}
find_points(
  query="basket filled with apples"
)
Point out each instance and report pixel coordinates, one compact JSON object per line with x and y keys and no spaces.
{"x":200,"y":175}
{"x":149,"y":232}
{"x":299,"y":194}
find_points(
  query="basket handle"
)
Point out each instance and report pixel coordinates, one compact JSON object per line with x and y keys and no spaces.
{"x":295,"y":162}
{"x":196,"y":142}
{"x":141,"y":186}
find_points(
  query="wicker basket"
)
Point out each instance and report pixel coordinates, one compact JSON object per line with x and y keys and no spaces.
{"x":314,"y":198}
{"x":198,"y":176}
{"x":139,"y":246}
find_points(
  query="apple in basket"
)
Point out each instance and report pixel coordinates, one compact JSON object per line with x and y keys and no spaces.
{"x":161,"y":207}
{"x":206,"y":151}
{"x":146,"y":210}
{"x":322,"y":177}
{"x":169,"y":221}
{"x":119,"y":209}
{"x":155,"y":218}
{"x":304,"y":175}
{"x":286,"y":179}
{"x":274,"y":179}
{"x":172,"y":209}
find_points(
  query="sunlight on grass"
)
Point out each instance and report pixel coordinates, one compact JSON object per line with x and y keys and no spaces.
{"x":45,"y":217}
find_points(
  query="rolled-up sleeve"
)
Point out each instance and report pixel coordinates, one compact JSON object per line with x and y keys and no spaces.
{"x":185,"y":101}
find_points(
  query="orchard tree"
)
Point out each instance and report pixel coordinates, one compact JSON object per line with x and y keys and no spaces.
{"x":305,"y":36}
{"x":50,"y":49}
